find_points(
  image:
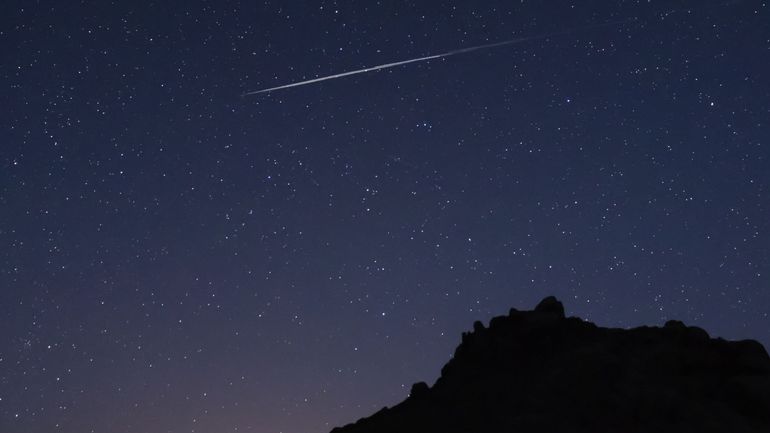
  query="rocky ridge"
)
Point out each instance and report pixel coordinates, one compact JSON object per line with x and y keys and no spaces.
{"x":540,"y":371}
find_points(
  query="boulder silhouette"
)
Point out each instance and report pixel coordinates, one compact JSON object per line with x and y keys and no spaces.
{"x":539,"y":371}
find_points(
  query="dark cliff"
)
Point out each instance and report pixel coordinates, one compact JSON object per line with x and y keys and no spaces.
{"x":539,"y":371}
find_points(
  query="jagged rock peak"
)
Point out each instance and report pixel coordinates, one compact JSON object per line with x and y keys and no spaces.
{"x":550,"y":305}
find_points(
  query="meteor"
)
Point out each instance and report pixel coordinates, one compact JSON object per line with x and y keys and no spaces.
{"x":434,"y":56}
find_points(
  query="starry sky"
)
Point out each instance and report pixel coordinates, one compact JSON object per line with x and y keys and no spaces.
{"x":178,"y":257}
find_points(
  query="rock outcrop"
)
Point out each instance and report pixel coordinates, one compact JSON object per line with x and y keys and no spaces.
{"x":539,"y":371}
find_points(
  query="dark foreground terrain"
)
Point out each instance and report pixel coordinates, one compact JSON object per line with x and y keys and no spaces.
{"x":537,"y":371}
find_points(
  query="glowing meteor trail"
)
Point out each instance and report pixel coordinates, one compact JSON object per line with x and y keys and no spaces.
{"x":387,"y":65}
{"x":434,"y":56}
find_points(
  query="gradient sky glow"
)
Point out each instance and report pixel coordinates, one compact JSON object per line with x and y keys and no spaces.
{"x":176,"y":257}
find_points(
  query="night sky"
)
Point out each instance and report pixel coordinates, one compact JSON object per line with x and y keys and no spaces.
{"x":178,"y":257}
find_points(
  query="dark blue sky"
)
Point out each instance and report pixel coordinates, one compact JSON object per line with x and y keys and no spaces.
{"x":175,"y":257}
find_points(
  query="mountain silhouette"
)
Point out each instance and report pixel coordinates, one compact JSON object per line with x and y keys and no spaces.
{"x":539,"y":371}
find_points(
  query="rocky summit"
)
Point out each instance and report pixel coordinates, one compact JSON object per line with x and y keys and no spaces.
{"x":539,"y":371}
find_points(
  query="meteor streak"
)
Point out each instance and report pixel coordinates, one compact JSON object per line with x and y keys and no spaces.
{"x":432,"y":57}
